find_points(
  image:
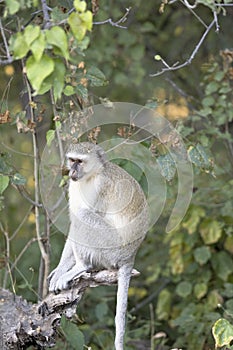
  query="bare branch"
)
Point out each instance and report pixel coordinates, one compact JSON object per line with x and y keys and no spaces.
{"x":189,"y":60}
{"x":46,"y":16}
{"x":116,"y":24}
{"x":9,"y":58}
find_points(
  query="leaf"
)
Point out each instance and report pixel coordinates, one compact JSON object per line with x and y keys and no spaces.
{"x":50,"y":135}
{"x":80,"y":6}
{"x":4,"y":182}
{"x":31,"y":33}
{"x":78,"y":29}
{"x":223,"y":333}
{"x":80,"y":23}
{"x":37,"y":71}
{"x":56,"y":36}
{"x":18,"y":179}
{"x":167,"y":166}
{"x":55,"y":80}
{"x":82,"y":91}
{"x":200,"y":290}
{"x":184,"y":289}
{"x":202,"y":255}
{"x":69,"y":90}
{"x":210,"y":231}
{"x":101,"y":310}
{"x":96,"y":77}
{"x":38,"y":47}
{"x":223,"y":265}
{"x":19,"y":46}
{"x":13,"y":6}
{"x":73,"y":335}
{"x":163,"y":307}
{"x":199,"y":157}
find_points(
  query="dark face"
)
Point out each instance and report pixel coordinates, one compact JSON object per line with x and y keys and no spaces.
{"x":76,"y":169}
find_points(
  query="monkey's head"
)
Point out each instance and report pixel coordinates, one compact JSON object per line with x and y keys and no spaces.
{"x":84,"y":160}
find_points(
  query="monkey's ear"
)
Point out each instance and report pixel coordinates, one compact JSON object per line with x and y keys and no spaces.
{"x":64,"y":170}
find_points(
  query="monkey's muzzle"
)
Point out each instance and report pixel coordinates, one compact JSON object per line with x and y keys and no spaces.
{"x":74,"y":175}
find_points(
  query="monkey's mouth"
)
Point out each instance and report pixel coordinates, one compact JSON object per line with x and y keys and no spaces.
{"x":74,"y":175}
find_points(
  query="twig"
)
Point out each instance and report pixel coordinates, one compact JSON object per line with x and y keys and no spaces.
{"x":8,"y":55}
{"x":116,"y":24}
{"x":195,"y":14}
{"x":46,"y":16}
{"x":216,"y":21}
{"x":189,"y":60}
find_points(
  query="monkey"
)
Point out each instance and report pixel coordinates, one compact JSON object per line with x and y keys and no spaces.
{"x":109,"y":219}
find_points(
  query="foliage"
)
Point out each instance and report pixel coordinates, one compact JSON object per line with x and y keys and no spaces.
{"x":68,"y":61}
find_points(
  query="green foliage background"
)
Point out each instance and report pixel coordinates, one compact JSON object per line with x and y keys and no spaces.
{"x":186,"y":276}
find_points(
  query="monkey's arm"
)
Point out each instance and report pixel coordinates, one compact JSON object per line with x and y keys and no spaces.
{"x":66,"y":262}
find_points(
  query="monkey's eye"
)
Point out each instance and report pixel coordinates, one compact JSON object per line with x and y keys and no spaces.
{"x":72,"y":160}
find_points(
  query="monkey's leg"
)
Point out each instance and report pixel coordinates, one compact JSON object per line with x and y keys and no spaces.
{"x":124,"y":275}
{"x":67,"y":261}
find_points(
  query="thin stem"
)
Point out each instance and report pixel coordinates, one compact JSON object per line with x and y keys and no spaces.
{"x":46,"y":16}
{"x":189,"y":60}
{"x":116,"y":24}
{"x":8,"y":55}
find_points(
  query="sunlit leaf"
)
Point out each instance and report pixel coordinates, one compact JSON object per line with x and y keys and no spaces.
{"x":38,"y":46}
{"x":80,"y":5}
{"x":56,"y":36}
{"x":223,"y":332}
{"x":200,"y":290}
{"x":19,"y":46}
{"x":13,"y":6}
{"x":31,"y":33}
{"x":37,"y":71}
{"x":210,"y":231}
{"x":163,"y":307}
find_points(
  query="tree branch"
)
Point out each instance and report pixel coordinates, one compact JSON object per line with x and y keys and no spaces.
{"x":177,"y":66}
{"x":23,"y":324}
{"x":116,"y":24}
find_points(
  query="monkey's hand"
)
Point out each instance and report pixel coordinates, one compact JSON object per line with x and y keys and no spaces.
{"x":61,"y":281}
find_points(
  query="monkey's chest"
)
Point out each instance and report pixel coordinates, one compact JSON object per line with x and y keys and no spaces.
{"x":82,"y":196}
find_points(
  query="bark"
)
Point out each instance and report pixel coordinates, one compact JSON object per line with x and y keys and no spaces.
{"x":23,"y":324}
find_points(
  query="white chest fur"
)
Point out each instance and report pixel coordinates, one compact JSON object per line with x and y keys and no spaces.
{"x":82,"y":195}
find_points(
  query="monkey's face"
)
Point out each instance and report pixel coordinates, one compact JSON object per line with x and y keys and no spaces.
{"x":84,"y":160}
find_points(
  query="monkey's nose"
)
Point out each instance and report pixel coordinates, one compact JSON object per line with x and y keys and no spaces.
{"x":74,"y":175}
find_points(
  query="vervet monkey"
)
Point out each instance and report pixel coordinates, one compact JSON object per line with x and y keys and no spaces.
{"x":108,"y":221}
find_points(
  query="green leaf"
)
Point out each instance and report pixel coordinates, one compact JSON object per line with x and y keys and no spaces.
{"x":223,"y":333}
{"x":199,"y":157}
{"x":76,"y":25}
{"x":31,"y":33}
{"x":80,"y":6}
{"x":37,"y":71}
{"x":212,"y":87}
{"x":96,"y":77}
{"x":56,"y":36}
{"x":86,"y":18}
{"x":210,"y":231}
{"x":82,"y":91}
{"x":202,"y":255}
{"x":4,"y":182}
{"x":101,"y":310}
{"x":50,"y":135}
{"x":208,"y":101}
{"x":167,"y":166}
{"x":73,"y":335}
{"x":200,"y":290}
{"x":19,"y":46}
{"x":80,"y":23}
{"x":222,"y":264}
{"x":18,"y":179}
{"x":59,"y":77}
{"x":13,"y":6}
{"x":69,"y":90}
{"x":163,"y":307}
{"x":184,"y":289}
{"x":38,"y":46}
